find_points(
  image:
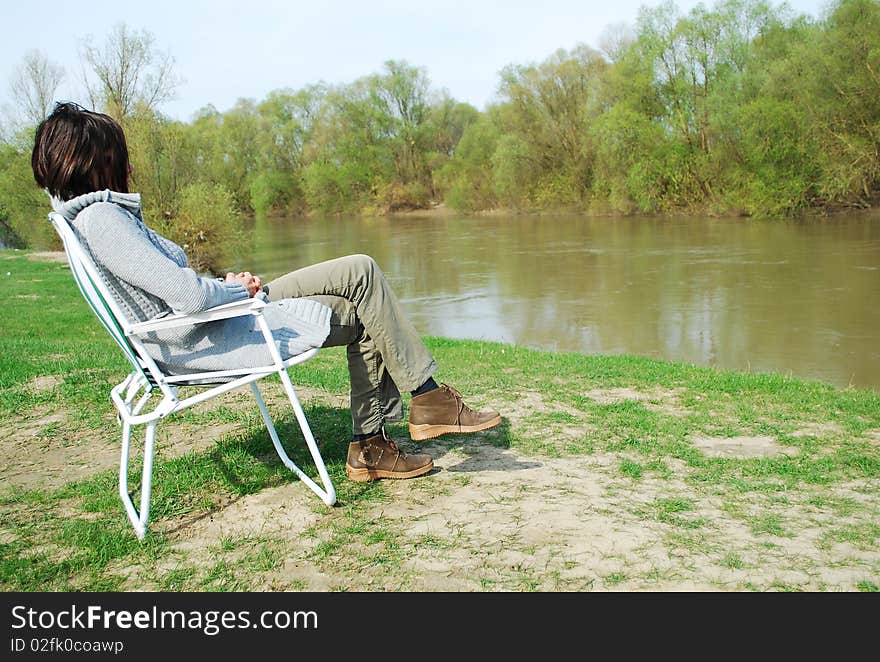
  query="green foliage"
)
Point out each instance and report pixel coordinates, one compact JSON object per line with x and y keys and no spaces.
{"x":372,"y":142}
{"x":546,"y":155}
{"x":626,"y":141}
{"x":776,"y":171}
{"x":398,"y":197}
{"x":331,"y":188}
{"x":23,"y":207}
{"x":737,"y":108}
{"x":225,"y":149}
{"x":510,"y":170}
{"x":206,"y":225}
{"x":844,"y":99}
{"x":556,"y":190}
{"x":272,"y":190}
{"x":467,"y":177}
{"x":285,"y":119}
{"x":162,"y":160}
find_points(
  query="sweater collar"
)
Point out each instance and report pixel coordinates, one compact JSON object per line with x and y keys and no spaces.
{"x":70,"y":208}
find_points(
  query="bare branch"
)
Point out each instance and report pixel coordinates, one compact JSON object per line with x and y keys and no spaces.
{"x":34,"y":84}
{"x":127,"y":72}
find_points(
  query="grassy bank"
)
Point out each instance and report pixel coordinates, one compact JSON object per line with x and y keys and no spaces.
{"x":609,"y":473}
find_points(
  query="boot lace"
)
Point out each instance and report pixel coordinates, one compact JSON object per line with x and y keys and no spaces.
{"x":459,"y":399}
{"x":389,"y":440}
{"x":372,"y":453}
{"x":393,"y":444}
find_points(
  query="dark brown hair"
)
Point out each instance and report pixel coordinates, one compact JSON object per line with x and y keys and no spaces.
{"x":78,"y":151}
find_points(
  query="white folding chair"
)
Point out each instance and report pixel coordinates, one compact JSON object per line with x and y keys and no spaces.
{"x":135,"y":391}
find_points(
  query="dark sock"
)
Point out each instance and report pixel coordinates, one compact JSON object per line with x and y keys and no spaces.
{"x":362,"y":437}
{"x":429,"y":385}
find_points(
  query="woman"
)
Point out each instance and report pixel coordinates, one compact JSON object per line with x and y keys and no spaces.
{"x":81,"y":159}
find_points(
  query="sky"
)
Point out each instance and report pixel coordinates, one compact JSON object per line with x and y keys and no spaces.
{"x":225,"y":50}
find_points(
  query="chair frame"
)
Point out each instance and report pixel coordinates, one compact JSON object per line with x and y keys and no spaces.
{"x":146,"y":378}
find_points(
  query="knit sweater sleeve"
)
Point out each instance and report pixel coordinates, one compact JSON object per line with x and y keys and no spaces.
{"x":123,"y":248}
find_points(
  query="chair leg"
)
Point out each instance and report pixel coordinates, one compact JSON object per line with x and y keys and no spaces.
{"x":138,"y":519}
{"x":328,"y":493}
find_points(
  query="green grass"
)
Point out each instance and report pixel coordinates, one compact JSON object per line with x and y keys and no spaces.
{"x":55,"y":358}
{"x":677,"y":512}
{"x":733,"y":561}
{"x":767,"y":524}
{"x":632,"y":469}
{"x":864,"y":536}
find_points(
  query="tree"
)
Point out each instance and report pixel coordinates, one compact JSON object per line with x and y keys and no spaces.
{"x":285,"y":123}
{"x":616,"y":40}
{"x":33,"y":86}
{"x":22,"y":218}
{"x":549,"y":109}
{"x":699,"y":64}
{"x":400,"y":95}
{"x":225,"y":148}
{"x":468,"y":177}
{"x":845,"y":100}
{"x":128,"y":72}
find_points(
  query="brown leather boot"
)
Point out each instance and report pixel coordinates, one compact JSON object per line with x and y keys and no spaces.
{"x":379,"y":457}
{"x":442,"y":411}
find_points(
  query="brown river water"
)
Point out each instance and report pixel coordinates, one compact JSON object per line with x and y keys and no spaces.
{"x":792,"y":297}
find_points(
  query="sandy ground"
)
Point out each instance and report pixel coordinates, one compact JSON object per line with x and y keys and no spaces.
{"x":492,"y":518}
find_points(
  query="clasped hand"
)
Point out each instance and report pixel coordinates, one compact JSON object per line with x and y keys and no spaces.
{"x":247,"y":280}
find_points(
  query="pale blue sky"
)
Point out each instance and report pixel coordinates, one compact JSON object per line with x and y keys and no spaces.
{"x":226,"y":50}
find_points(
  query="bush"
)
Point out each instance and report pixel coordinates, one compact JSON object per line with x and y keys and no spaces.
{"x":206,"y":224}
{"x":335,"y":189}
{"x":778,"y":162}
{"x":556,"y":190}
{"x":510,"y":171}
{"x":399,"y":197}
{"x":272,"y":191}
{"x":23,"y":206}
{"x":467,"y":178}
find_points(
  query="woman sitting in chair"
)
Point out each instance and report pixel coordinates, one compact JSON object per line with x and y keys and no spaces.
{"x":81,"y":159}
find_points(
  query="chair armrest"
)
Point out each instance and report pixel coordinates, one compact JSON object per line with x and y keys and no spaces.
{"x":225,"y":311}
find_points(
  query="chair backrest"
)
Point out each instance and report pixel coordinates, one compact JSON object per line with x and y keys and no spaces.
{"x":96,"y":293}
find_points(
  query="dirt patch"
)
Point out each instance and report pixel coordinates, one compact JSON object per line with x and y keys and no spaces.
{"x":668,"y":409}
{"x":491,"y":519}
{"x":43,"y":383}
{"x":813,"y":429}
{"x":48,"y":256}
{"x":742,"y":447}
{"x":44,"y":449}
{"x":38,"y":452}
{"x":663,"y":401}
{"x":277,"y":511}
{"x":606,"y":396}
{"x":530,"y":403}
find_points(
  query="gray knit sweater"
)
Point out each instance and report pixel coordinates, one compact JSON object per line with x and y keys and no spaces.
{"x":149,"y":278}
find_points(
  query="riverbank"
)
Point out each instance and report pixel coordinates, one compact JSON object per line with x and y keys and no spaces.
{"x":608,"y":473}
{"x":441,"y":210}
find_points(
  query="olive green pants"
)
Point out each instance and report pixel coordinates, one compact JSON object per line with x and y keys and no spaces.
{"x":385,"y":354}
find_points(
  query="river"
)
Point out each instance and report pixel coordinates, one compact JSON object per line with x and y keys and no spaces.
{"x":796,"y":297}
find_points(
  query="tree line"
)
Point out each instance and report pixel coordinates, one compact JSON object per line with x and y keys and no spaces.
{"x":742,"y":108}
